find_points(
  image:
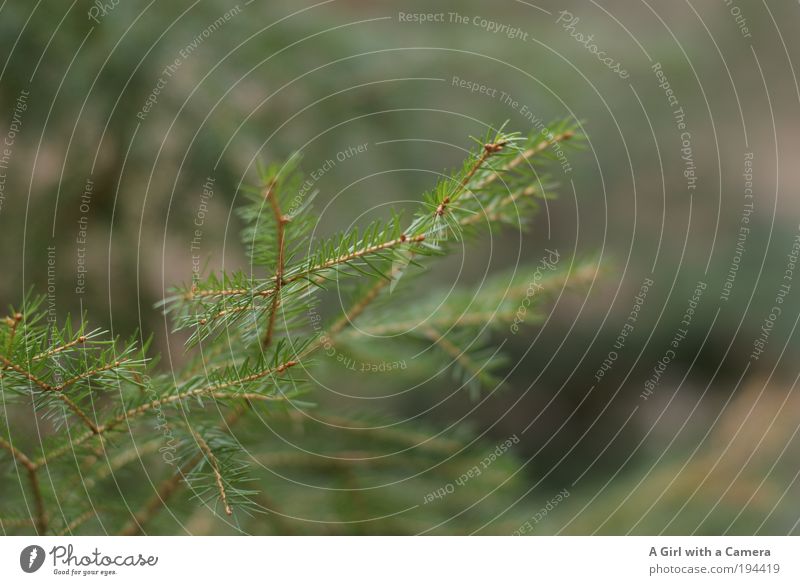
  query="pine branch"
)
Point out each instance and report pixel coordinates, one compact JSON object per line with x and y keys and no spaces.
{"x":214,"y":391}
{"x":280,"y":222}
{"x":89,"y":374}
{"x":60,"y":348}
{"x":56,"y":389}
{"x":254,"y":369}
{"x":456,"y":353}
{"x":81,"y":415}
{"x":13,"y":323}
{"x":212,"y":461}
{"x":171,"y":485}
{"x":344,"y":251}
{"x":528,"y":154}
{"x":8,"y":364}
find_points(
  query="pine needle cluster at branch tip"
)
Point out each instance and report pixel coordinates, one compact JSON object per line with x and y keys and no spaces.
{"x":250,"y":341}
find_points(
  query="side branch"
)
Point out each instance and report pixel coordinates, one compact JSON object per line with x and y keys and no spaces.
{"x":85,"y":375}
{"x":214,"y":463}
{"x":214,"y":391}
{"x":8,"y":364}
{"x":344,"y":258}
{"x":489,"y":150}
{"x":456,"y":353}
{"x":60,"y":348}
{"x":13,"y":323}
{"x":305,"y":273}
{"x":280,"y":222}
{"x":171,"y":485}
{"x":524,"y":156}
{"x":56,"y":389}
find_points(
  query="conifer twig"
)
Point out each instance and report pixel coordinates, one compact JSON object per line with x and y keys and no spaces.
{"x":212,"y":461}
{"x":14,"y":522}
{"x":526,"y":155}
{"x":88,"y":374}
{"x":60,"y":348}
{"x":382,"y":252}
{"x":488,"y":150}
{"x":305,"y":273}
{"x":12,"y":322}
{"x":81,"y":415}
{"x":213,"y":390}
{"x":455,"y":352}
{"x":40,"y":521}
{"x":8,"y":364}
{"x":280,"y":225}
{"x":171,"y":485}
{"x":359,"y":307}
{"x":54,"y":389}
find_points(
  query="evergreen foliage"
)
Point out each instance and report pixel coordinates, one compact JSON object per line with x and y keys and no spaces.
{"x":102,"y":413}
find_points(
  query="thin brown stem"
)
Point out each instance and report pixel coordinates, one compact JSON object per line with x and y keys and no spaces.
{"x":60,"y":348}
{"x":524,"y":156}
{"x":214,"y":390}
{"x":8,"y":364}
{"x":15,"y":522}
{"x":21,"y":458}
{"x":207,"y":390}
{"x":79,"y":413}
{"x":38,"y":500}
{"x":171,"y":485}
{"x":214,"y":463}
{"x":456,"y":353}
{"x":58,"y":389}
{"x":306,"y":272}
{"x":488,"y":151}
{"x":89,"y":374}
{"x":280,"y":223}
{"x":317,"y":268}
{"x":344,"y":258}
{"x":40,"y":521}
{"x":194,"y":294}
{"x":13,"y":323}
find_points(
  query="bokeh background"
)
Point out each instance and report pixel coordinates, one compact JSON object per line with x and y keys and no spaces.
{"x":712,"y":449}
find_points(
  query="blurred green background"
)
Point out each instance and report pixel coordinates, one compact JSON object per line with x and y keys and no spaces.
{"x":713,"y":449}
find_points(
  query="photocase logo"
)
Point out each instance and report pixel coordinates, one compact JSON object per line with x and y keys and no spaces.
{"x":31,"y":558}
